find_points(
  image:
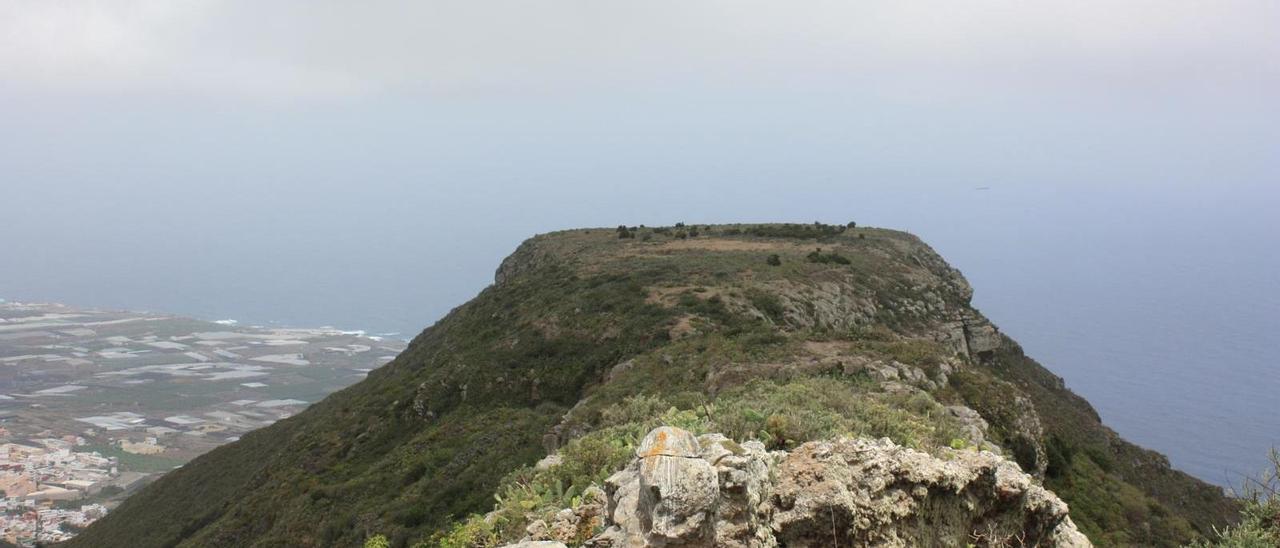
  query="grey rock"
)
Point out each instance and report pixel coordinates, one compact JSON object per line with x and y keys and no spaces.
{"x":549,"y":461}
{"x":864,"y":492}
{"x":678,"y":496}
{"x":668,"y":441}
{"x":972,"y":424}
{"x":710,"y":491}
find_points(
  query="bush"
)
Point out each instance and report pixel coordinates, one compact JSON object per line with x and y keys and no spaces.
{"x":824,"y":258}
{"x":1259,"y":525}
{"x":814,"y":231}
{"x":1060,"y":455}
{"x":767,"y":303}
{"x":786,"y":415}
{"x":475,"y":532}
{"x":774,"y":260}
{"x":589,"y":460}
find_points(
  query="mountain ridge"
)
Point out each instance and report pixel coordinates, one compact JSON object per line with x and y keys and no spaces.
{"x":581,"y":325}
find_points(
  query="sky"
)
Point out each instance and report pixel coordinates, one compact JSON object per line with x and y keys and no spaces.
{"x":1092,"y":166}
{"x":299,"y":151}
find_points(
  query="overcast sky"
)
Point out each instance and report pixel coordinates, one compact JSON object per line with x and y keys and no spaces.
{"x":367,"y":163}
{"x":316,"y":51}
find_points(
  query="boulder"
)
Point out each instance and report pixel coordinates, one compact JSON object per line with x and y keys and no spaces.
{"x":678,"y":489}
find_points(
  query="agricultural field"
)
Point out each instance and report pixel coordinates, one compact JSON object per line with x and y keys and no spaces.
{"x":149,"y":392}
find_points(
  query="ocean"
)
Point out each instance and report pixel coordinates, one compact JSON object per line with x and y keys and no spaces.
{"x":1159,"y":305}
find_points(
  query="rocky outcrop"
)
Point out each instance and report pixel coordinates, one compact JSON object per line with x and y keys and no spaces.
{"x":686,"y":491}
{"x":874,"y":493}
{"x":528,"y":256}
{"x":970,"y":335}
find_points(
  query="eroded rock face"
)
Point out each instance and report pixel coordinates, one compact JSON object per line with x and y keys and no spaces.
{"x":709,"y":491}
{"x":874,"y":493}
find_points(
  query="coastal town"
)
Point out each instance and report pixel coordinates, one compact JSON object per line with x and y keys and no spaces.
{"x":95,"y":404}
{"x":51,"y":490}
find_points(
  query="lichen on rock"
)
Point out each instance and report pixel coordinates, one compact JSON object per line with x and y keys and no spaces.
{"x":706,"y":491}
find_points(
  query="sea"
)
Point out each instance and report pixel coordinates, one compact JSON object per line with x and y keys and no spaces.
{"x":1159,"y":304}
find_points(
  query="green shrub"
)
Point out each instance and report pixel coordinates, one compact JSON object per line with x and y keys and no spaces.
{"x":773,"y":260}
{"x":783,"y":415}
{"x":474,"y":532}
{"x":1259,"y":525}
{"x":815,"y":231}
{"x":590,"y":459}
{"x":767,"y":303}
{"x":824,"y":258}
{"x":1060,"y":454}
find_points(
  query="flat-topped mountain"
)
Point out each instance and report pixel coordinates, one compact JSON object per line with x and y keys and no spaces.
{"x":778,"y":338}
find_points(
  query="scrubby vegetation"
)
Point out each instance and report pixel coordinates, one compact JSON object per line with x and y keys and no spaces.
{"x":782,"y":415}
{"x":817,"y":256}
{"x":1259,"y":525}
{"x":816,"y":230}
{"x":590,"y":339}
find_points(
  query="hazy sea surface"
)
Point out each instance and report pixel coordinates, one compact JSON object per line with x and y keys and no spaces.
{"x":1160,"y":306}
{"x":1163,"y":310}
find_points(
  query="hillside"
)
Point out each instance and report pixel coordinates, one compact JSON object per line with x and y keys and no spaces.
{"x":781,"y":334}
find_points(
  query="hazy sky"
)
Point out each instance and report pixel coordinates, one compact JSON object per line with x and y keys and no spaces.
{"x":367,"y":163}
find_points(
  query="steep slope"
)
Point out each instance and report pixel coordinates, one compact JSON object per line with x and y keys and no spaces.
{"x":781,"y":333}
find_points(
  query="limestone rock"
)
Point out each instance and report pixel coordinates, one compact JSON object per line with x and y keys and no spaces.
{"x":711,"y":491}
{"x":972,"y":423}
{"x":669,"y":442}
{"x":548,"y":461}
{"x":678,"y":489}
{"x":864,"y":492}
{"x":982,"y":338}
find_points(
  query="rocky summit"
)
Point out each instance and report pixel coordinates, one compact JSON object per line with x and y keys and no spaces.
{"x":708,"y":490}
{"x":691,"y":385}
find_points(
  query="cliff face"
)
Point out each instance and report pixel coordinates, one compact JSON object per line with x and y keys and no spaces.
{"x":785,"y":335}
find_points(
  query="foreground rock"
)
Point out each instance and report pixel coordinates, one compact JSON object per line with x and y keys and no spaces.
{"x":710,"y":491}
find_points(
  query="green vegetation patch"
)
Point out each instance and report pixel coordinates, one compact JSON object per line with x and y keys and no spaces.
{"x":780,"y":414}
{"x":134,"y":462}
